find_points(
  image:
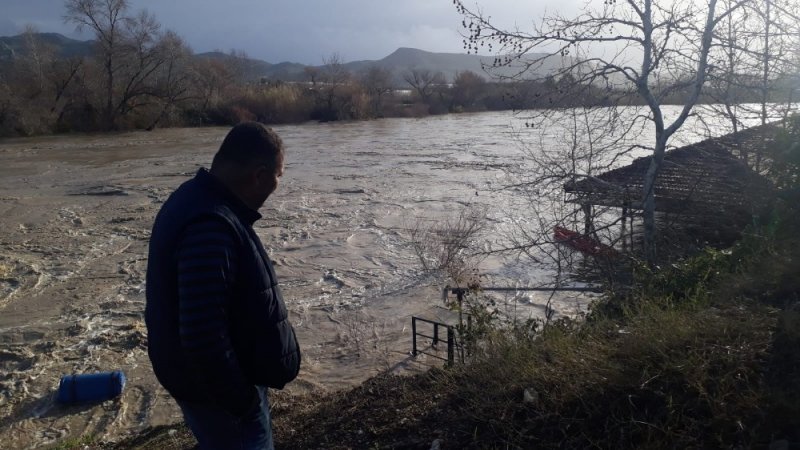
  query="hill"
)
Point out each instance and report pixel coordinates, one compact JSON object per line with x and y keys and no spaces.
{"x":250,"y":68}
{"x":405,"y":59}
{"x":450,"y":64}
{"x":13,"y":46}
{"x":399,"y":62}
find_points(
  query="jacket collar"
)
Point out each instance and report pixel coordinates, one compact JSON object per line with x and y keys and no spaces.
{"x":244,"y":212}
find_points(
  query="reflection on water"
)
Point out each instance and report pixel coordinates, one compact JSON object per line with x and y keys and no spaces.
{"x":76,"y":213}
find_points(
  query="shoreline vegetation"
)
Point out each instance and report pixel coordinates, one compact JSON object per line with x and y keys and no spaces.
{"x":151,"y":78}
{"x":25,"y":110}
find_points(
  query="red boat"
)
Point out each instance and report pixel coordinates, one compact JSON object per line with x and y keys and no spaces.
{"x":581,"y":243}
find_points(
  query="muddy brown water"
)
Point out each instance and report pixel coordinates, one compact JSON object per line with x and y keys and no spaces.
{"x":76,"y":212}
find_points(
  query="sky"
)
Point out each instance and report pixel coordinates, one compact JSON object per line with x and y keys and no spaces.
{"x":304,"y":31}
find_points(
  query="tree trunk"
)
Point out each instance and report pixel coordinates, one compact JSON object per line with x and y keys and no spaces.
{"x":649,"y":201}
{"x":765,"y":75}
{"x":108,"y":117}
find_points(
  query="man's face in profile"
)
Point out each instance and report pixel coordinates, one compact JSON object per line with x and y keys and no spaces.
{"x":266,"y":182}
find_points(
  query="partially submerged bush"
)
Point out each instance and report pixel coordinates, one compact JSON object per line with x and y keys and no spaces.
{"x":449,"y":247}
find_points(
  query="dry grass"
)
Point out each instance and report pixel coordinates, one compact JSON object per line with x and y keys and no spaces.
{"x":668,"y":378}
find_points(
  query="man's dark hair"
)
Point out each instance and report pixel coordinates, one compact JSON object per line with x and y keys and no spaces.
{"x":250,"y":143}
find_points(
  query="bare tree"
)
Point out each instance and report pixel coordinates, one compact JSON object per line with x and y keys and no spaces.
{"x":173,"y":81}
{"x":240,"y":65}
{"x":467,"y":90}
{"x":449,"y":249}
{"x":727,"y":84}
{"x":106,"y":19}
{"x":756,"y":63}
{"x":377,"y":82}
{"x":130,"y":52}
{"x":142,"y":55}
{"x":39,"y":80}
{"x":337,"y":96}
{"x":37,"y":57}
{"x":62,"y":76}
{"x":566,"y":146}
{"x":211,"y":77}
{"x":424,"y":81}
{"x":648,"y":49}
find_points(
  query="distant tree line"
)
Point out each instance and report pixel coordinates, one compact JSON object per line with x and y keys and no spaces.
{"x":141,"y":76}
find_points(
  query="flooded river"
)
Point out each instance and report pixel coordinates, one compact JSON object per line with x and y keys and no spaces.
{"x":76,"y":212}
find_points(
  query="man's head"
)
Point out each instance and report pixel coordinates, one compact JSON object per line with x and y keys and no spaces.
{"x":250,"y":162}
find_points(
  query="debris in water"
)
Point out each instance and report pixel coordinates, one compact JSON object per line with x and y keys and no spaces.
{"x":101,"y":191}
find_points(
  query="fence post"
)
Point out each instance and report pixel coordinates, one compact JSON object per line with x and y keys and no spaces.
{"x":435,"y":334}
{"x":450,"y":344}
{"x":414,"y":334}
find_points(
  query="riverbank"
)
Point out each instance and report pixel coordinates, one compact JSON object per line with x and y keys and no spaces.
{"x":700,"y":355}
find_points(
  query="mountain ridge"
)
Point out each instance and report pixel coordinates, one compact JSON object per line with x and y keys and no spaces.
{"x":397,"y":63}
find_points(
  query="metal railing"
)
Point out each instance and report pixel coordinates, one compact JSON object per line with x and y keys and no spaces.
{"x":434,"y":339}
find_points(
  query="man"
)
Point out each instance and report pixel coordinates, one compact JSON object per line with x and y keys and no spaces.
{"x":218,"y":332}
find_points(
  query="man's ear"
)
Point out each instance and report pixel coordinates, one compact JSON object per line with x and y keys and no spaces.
{"x":264,"y":178}
{"x":254,"y":174}
{"x":261,"y":173}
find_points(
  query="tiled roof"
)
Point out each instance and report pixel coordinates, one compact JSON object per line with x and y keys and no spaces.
{"x":696,"y":179}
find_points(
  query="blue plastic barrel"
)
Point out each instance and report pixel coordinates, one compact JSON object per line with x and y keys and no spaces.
{"x":90,"y":387}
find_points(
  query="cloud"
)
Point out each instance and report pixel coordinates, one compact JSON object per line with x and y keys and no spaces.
{"x":302,"y":30}
{"x":306,"y":31}
{"x":8,"y":28}
{"x":376,"y":42}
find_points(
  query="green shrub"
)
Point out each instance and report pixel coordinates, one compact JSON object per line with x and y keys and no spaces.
{"x":785,"y":152}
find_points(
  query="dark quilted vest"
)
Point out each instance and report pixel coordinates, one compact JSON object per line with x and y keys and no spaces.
{"x":262,"y":337}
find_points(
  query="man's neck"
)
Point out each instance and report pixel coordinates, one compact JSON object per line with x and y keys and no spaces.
{"x":227,"y":179}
